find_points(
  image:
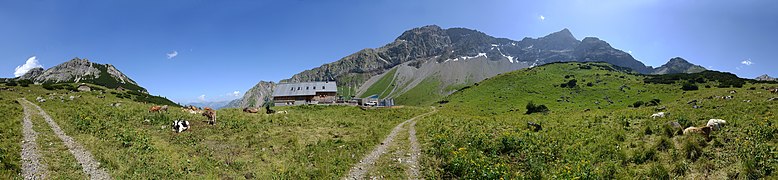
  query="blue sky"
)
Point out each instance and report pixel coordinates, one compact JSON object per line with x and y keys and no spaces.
{"x":226,"y":46}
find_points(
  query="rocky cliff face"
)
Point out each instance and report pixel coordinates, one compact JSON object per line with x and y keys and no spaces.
{"x":83,"y":71}
{"x":257,"y":96}
{"x":678,"y":65}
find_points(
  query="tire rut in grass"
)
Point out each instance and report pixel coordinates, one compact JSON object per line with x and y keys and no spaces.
{"x":31,"y":164}
{"x":359,"y":170}
{"x":88,"y":164}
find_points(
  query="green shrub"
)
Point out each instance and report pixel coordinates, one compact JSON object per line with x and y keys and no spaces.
{"x":638,"y":104}
{"x":11,"y":83}
{"x":532,"y":108}
{"x":689,"y":87}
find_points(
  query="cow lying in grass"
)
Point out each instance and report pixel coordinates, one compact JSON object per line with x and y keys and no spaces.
{"x":250,"y":110}
{"x":158,"y":108}
{"x":716,"y":123}
{"x":700,"y":130}
{"x":713,"y":124}
{"x":155,"y":108}
{"x":180,"y":126}
{"x":211,"y":114}
{"x":658,"y":115}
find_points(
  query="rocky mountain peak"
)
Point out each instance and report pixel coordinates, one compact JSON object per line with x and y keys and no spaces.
{"x":678,"y":65}
{"x":765,"y":77}
{"x":561,"y":40}
{"x":79,"y":70}
{"x":677,"y":60}
{"x":423,"y":32}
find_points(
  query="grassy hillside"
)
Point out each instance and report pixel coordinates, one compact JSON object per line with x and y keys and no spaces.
{"x":481,"y":132}
{"x":310,"y":142}
{"x":383,"y":86}
{"x":423,"y":94}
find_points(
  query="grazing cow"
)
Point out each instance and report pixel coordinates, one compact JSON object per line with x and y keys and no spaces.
{"x":534,"y":126}
{"x":733,"y":92}
{"x":658,"y":115}
{"x":180,"y":126}
{"x":40,"y":99}
{"x":729,"y":97}
{"x":716,"y":123}
{"x":282,"y":112}
{"x":660,"y":108}
{"x":155,"y":108}
{"x":701,"y":130}
{"x":774,"y":91}
{"x":773,"y":99}
{"x":269,"y":111}
{"x":163,"y":108}
{"x":250,"y":110}
{"x":211,"y":114}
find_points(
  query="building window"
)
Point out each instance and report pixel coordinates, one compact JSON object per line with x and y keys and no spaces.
{"x":314,"y":88}
{"x":322,"y":87}
{"x":298,"y":88}
{"x":292,"y":89}
{"x":306,"y":87}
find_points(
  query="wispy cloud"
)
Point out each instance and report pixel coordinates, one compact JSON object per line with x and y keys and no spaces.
{"x":542,"y":18}
{"x":629,"y":52}
{"x":201,"y":97}
{"x":31,"y":63}
{"x":747,"y":62}
{"x":235,"y":93}
{"x":172,"y":54}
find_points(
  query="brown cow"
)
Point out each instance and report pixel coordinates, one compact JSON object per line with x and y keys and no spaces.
{"x":211,"y":114}
{"x":701,"y":130}
{"x":155,"y":108}
{"x":251,"y":110}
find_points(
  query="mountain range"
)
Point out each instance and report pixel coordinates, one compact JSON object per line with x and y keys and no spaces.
{"x":429,"y":62}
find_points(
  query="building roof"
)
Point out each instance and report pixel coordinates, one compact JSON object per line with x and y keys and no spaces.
{"x":304,"y":88}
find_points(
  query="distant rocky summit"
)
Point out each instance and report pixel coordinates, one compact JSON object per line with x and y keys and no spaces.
{"x":82,"y":71}
{"x":766,"y":77}
{"x":257,"y":96}
{"x":678,"y":65}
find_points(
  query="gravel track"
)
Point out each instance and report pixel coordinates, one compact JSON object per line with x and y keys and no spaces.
{"x":359,"y":170}
{"x":84,"y":157}
{"x":31,"y":165}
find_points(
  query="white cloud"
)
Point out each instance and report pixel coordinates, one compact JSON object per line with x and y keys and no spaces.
{"x":31,"y":63}
{"x":201,"y":97}
{"x":172,"y":54}
{"x":747,"y":62}
{"x":235,"y":93}
{"x":629,"y":52}
{"x":542,"y":18}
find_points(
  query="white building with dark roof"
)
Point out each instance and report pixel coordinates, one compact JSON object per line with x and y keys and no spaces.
{"x":290,"y":94}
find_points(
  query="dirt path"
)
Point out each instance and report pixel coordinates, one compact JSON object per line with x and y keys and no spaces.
{"x":84,"y":157}
{"x":31,"y":165}
{"x":358,"y":171}
{"x":413,"y":170}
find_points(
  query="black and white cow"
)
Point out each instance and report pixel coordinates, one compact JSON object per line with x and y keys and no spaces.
{"x":180,"y":125}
